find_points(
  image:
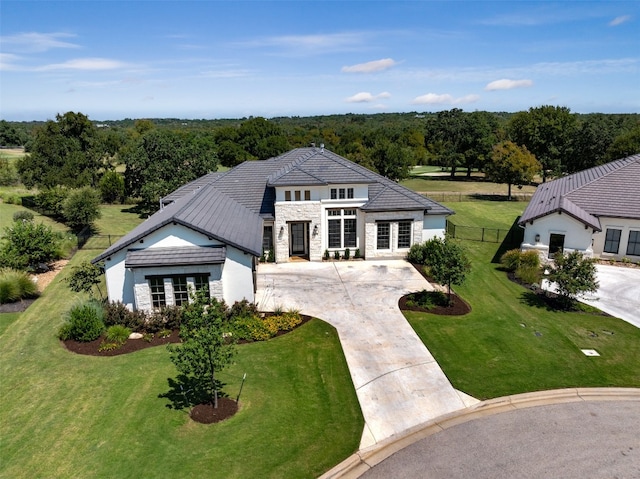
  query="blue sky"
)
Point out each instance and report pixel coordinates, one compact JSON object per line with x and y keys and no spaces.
{"x":232,"y":59}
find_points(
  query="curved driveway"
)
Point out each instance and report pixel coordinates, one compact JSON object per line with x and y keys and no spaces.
{"x":398,"y":382}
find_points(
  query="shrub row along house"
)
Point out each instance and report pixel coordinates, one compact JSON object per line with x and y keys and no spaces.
{"x":302,"y":204}
{"x":595,"y":211}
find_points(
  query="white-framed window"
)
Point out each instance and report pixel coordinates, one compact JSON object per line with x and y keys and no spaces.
{"x":180,"y":290}
{"x":383,"y":235}
{"x":158,"y":298}
{"x":404,"y":234}
{"x":341,"y":193}
{"x":342,"y":228}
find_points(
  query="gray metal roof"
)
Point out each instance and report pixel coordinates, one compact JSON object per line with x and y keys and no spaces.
{"x":179,"y":256}
{"x":230,"y":206}
{"x":207,"y":211}
{"x":610,"y":190}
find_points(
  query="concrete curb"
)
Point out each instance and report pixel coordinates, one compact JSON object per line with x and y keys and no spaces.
{"x":363,"y":460}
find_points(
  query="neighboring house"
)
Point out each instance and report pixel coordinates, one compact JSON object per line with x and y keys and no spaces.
{"x":210,"y":232}
{"x":595,"y":211}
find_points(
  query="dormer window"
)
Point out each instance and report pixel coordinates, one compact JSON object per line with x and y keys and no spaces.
{"x":341,"y":193}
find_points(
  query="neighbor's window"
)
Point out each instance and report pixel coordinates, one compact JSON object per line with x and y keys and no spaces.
{"x":404,"y":234}
{"x":633,"y":246}
{"x":384,"y":234}
{"x":287,"y":195}
{"x":158,"y":299}
{"x":612,"y":241}
{"x":298,"y":196}
{"x":307,"y":195}
{"x":180,"y":290}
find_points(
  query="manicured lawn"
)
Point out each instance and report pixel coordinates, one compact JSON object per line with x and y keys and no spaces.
{"x":427,"y":184}
{"x":6,"y":320}
{"x":6,"y":218}
{"x":511,"y":342}
{"x":488,"y":214}
{"x":66,"y":415}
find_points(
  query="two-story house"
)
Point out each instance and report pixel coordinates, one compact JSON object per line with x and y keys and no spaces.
{"x":302,"y":204}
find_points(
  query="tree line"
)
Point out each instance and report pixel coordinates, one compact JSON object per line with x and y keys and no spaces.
{"x":146,"y":159}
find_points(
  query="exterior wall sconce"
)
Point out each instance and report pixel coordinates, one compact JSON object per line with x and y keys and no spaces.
{"x":281,"y":229}
{"x":315,"y":230}
{"x":537,"y":238}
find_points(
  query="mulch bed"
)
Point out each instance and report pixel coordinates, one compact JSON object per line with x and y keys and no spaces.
{"x":459,"y":306}
{"x":16,"y":307}
{"x":207,"y":414}
{"x":91,"y":348}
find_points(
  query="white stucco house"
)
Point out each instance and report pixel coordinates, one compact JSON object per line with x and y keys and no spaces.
{"x":211,"y":232}
{"x":594,"y":211}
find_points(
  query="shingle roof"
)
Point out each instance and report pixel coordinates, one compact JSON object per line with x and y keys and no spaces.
{"x":179,"y":256}
{"x":605,"y":190}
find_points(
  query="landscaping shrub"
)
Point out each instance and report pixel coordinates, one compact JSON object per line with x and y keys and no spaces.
{"x":250,"y":328}
{"x":416,"y":253}
{"x":116,"y":312}
{"x":117,"y":334}
{"x":168,"y":317}
{"x":427,"y":299}
{"x":23,"y":215}
{"x":85,"y":322}
{"x":511,"y":259}
{"x":27,"y":244}
{"x":50,"y":201}
{"x":529,"y":274}
{"x":347,"y":253}
{"x":81,"y":208}
{"x":16,"y":285}
{"x":241,"y":309}
{"x":336,"y":255}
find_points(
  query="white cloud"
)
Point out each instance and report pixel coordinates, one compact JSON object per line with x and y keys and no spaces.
{"x":90,"y":64}
{"x":366,"y":97}
{"x":36,"y":42}
{"x":370,"y":67}
{"x":443,"y":99}
{"x":619,"y":20}
{"x":7,"y":61}
{"x":312,"y":44}
{"x":506,"y":84}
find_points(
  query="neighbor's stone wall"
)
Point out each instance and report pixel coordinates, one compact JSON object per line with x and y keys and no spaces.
{"x":297,"y":211}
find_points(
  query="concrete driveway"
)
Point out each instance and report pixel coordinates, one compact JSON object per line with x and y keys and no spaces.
{"x":398,"y":382}
{"x":619,"y":292}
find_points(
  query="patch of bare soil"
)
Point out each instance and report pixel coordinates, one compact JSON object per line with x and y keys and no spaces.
{"x":207,"y":414}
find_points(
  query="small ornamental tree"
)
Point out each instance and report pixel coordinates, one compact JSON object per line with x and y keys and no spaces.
{"x":573,"y":274}
{"x":449,"y":265}
{"x":84,"y":277}
{"x":206,"y":346}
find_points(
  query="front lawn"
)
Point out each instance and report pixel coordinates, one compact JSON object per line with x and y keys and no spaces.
{"x":512,"y":343}
{"x":65,"y":415}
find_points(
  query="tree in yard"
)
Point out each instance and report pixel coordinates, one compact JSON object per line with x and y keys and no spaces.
{"x":574,"y":274}
{"x":162,"y":160}
{"x":65,"y":152}
{"x":511,"y":164}
{"x":548,"y":132}
{"x":625,"y":144}
{"x":81,"y":208}
{"x":446,"y":261}
{"x":27,"y":244}
{"x":85,"y":277}
{"x":206,"y":348}
{"x":392,"y":160}
{"x":112,"y":187}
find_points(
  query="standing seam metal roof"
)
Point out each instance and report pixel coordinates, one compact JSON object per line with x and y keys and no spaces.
{"x":605,"y":190}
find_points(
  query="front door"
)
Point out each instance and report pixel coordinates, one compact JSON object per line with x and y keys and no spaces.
{"x":298,"y":243}
{"x":556,"y":244}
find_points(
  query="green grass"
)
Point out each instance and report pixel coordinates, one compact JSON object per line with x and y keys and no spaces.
{"x":428,"y":184}
{"x":6,"y":218}
{"x":488,"y":214}
{"x":66,"y":415}
{"x":511,"y":342}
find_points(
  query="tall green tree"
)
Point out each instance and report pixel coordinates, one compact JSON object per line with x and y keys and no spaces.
{"x":81,"y":208}
{"x":547,"y":132}
{"x":262,"y":138}
{"x":162,"y":160}
{"x":626,"y":144}
{"x":206,"y":347}
{"x":511,"y":164}
{"x":65,"y":152}
{"x":451,"y":265}
{"x":392,"y":160}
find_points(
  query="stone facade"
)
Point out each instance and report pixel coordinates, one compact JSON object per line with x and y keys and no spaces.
{"x":371,"y":233}
{"x":309,"y":212}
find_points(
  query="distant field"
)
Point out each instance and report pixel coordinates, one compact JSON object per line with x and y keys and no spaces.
{"x":429,"y":184}
{"x":12,"y":154}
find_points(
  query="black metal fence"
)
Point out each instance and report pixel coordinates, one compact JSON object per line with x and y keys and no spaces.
{"x":511,"y":236}
{"x":457,"y":197}
{"x":96,"y":242}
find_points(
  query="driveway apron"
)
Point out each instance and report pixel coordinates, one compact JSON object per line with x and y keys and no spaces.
{"x":398,"y":382}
